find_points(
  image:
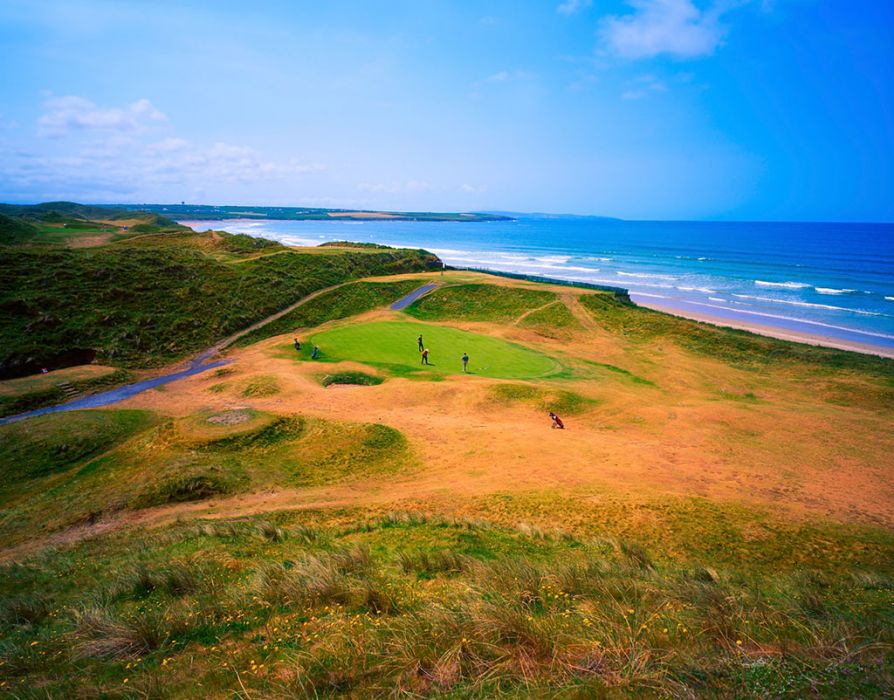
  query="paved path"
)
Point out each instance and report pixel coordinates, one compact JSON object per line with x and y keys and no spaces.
{"x":104,"y":398}
{"x":404,"y":302}
{"x":197,"y":365}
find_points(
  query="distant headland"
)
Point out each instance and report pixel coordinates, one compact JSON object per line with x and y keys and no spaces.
{"x":201,"y":212}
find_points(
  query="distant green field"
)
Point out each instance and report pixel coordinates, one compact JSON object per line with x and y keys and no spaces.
{"x":392,"y":345}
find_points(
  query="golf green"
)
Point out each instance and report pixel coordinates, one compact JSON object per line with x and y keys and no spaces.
{"x":392,"y":345}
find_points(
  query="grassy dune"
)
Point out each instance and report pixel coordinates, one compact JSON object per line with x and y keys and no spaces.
{"x":69,"y":468}
{"x":140,"y":306}
{"x":348,"y":603}
{"x":478,"y":302}
{"x":349,"y":300}
{"x":37,"y":391}
{"x":715,"y":521}
{"x":739,"y":348}
{"x":552,"y":321}
{"x":151,"y":293}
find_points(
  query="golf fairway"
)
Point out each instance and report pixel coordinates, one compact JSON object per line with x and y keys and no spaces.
{"x":392,"y":345}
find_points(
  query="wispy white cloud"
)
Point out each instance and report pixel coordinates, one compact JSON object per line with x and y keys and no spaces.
{"x":500,"y":77}
{"x":569,"y":7}
{"x":395,"y":187}
{"x":504,"y":77}
{"x":674,"y":27}
{"x":644,"y":86}
{"x":174,"y":159}
{"x":72,"y":113}
{"x":107,"y":153}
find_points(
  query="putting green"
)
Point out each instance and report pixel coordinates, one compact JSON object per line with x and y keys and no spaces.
{"x":392,"y":345}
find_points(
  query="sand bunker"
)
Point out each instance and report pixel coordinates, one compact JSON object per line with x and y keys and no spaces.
{"x":230,"y":418}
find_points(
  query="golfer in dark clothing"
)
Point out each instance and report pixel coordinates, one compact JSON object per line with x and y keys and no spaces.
{"x":425,"y":356}
{"x":315,"y":354}
{"x":465,"y":361}
{"x":557,"y":422}
{"x":297,"y":344}
{"x":421,"y":346}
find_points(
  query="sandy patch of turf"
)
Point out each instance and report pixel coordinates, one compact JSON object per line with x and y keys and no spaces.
{"x":392,"y":345}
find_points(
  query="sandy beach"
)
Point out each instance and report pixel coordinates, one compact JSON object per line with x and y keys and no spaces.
{"x":772,"y":331}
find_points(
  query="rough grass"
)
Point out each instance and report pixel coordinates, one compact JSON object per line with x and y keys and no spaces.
{"x":478,"y":302}
{"x":739,"y":348}
{"x":151,"y":299}
{"x":113,"y":460}
{"x":190,"y":487}
{"x":418,"y":604}
{"x":48,"y":394}
{"x":349,"y":300}
{"x":55,"y":443}
{"x":553,"y":321}
{"x":544,"y":399}
{"x":261,"y":386}
{"x":349,"y":377}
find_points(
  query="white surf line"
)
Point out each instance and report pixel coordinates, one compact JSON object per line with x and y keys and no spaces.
{"x":776,"y":316}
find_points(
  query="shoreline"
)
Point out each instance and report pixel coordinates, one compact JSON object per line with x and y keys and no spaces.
{"x":765,"y":322}
{"x":777,"y":332}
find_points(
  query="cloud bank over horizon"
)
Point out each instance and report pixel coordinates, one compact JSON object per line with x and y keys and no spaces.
{"x":631,"y":108}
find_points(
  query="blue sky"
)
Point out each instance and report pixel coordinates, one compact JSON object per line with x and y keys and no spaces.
{"x":642,"y":109}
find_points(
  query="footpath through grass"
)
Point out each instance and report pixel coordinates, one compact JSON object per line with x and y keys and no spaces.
{"x":392,"y":345}
{"x":478,"y":302}
{"x":152,"y":299}
{"x":350,"y":300}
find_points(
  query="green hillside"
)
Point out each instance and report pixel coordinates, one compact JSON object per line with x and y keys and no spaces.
{"x":72,"y":211}
{"x":151,"y":294}
{"x":15,"y":230}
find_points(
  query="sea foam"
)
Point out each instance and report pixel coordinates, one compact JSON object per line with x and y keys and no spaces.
{"x":781,"y":285}
{"x":807,"y":304}
{"x":831,"y":290}
{"x":645,"y":275}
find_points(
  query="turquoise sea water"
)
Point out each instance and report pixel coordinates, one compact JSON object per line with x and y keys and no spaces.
{"x":835,"y":280}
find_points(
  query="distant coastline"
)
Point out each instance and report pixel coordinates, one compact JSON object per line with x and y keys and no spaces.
{"x":737,"y":275}
{"x":203,"y":212}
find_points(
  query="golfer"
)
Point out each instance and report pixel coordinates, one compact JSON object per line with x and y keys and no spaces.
{"x":315,"y":354}
{"x":297,"y":344}
{"x":557,"y":422}
{"x":425,"y":356}
{"x":465,"y":362}
{"x":421,"y":346}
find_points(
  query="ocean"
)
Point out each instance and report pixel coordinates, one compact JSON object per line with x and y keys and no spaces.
{"x":827,"y":279}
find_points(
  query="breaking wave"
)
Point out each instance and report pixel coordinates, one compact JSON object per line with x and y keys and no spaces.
{"x":807,"y":304}
{"x":781,"y":285}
